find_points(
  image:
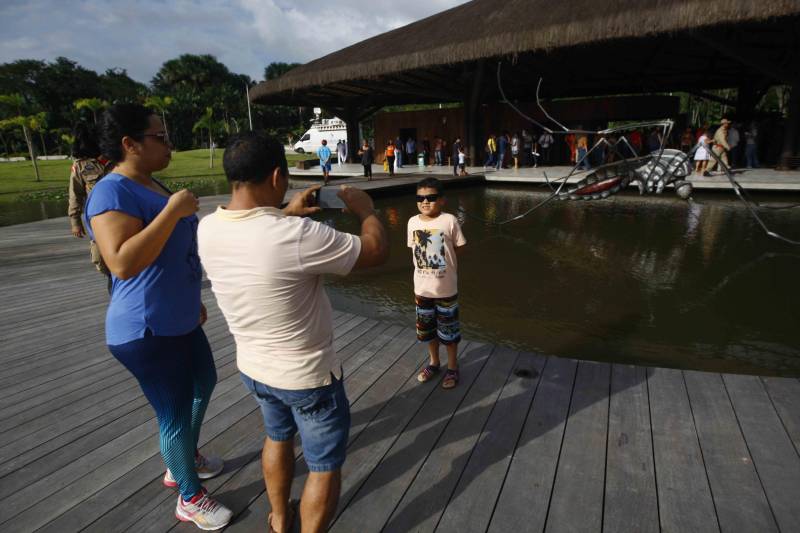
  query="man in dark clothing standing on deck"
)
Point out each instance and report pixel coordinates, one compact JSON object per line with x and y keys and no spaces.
{"x":456,"y":149}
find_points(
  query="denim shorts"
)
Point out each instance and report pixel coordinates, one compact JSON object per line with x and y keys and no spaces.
{"x":437,"y":318}
{"x":321,"y":415}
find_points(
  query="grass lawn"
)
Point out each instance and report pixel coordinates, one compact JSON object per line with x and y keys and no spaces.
{"x":18,"y":177}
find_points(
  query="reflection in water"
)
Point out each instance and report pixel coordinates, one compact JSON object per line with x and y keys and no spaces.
{"x":624,"y":279}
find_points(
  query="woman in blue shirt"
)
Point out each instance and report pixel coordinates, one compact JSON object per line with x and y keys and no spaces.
{"x":147,"y":237}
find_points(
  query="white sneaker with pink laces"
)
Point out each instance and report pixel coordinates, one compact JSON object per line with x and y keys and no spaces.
{"x":206,"y":468}
{"x":206,"y":513}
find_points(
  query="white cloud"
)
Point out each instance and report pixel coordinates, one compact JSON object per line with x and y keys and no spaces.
{"x":246,"y":35}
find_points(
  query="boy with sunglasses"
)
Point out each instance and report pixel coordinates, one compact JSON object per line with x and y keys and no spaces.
{"x":434,"y":237}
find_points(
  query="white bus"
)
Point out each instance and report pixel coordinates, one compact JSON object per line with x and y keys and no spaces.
{"x":332,"y":130}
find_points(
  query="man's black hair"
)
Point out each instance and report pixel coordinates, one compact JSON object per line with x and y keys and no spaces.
{"x":252,"y":156}
{"x":431,"y":183}
{"x":122,"y":120}
{"x":85,"y":145}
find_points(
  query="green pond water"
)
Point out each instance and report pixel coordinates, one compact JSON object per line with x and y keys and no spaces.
{"x":654,"y":281}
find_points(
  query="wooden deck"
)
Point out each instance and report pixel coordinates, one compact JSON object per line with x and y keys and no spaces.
{"x":524,"y":443}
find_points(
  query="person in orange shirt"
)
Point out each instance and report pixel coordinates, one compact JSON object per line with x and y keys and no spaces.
{"x":390,"y":156}
{"x":582,"y":155}
{"x":570,"y":140}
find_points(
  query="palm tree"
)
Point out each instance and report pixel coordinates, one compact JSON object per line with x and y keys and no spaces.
{"x":42,"y":129}
{"x":28,"y":123}
{"x":93,"y":104}
{"x":69,"y":140}
{"x":160,"y":104}
{"x":208,"y":123}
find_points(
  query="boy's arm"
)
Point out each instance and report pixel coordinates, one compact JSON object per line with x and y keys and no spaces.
{"x":459,"y":241}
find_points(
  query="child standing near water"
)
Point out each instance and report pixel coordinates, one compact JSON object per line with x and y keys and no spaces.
{"x":434,"y":237}
{"x":462,"y":161}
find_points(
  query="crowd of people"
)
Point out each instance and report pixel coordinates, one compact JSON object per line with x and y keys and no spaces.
{"x":528,"y":148}
{"x":725,"y":142}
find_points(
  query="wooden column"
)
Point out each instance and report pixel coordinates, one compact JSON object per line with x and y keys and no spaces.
{"x":351,"y":117}
{"x":746,"y":103}
{"x":792,"y":128}
{"x":472,"y":121}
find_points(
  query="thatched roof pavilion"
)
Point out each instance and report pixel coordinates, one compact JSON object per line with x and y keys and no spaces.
{"x":579,"y":47}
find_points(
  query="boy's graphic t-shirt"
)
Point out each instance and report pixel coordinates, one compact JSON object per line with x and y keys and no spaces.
{"x":433,"y":243}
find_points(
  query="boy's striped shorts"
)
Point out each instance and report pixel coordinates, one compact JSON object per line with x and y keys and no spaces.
{"x":438,"y":318}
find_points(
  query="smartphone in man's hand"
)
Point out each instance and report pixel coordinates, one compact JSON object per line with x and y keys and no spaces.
{"x":326,"y":198}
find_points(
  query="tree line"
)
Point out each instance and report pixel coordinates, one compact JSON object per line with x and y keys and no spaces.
{"x":198,"y":97}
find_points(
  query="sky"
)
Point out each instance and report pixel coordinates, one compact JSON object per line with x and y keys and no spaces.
{"x":245,"y":35}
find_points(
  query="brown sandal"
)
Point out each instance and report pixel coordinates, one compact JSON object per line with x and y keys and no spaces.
{"x":292,"y":516}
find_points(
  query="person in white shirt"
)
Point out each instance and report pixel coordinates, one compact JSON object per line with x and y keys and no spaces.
{"x":515,"y":149}
{"x":266,"y":265}
{"x":341,"y":152}
{"x":545,"y":143}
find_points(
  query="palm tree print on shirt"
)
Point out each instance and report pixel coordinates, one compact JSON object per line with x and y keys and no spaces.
{"x":429,"y":249}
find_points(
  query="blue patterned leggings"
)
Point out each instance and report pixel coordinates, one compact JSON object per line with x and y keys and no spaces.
{"x":177,"y":375}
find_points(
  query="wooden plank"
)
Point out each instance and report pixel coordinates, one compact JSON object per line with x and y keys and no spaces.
{"x":57,"y":327}
{"x":104,"y":461}
{"x":159,"y":519}
{"x":774,"y":456}
{"x":473,"y":500}
{"x":383,"y":474}
{"x":106,"y":486}
{"x":373,"y":386}
{"x":577,"y":500}
{"x":147,"y":506}
{"x":684,"y":496}
{"x":239,"y":445}
{"x":365,"y":346}
{"x":738,"y":495}
{"x":59,"y":363}
{"x":346,"y":338}
{"x":423,"y":503}
{"x":78,"y":332}
{"x":341,"y":319}
{"x":66,"y":417}
{"x":367,"y":391}
{"x":66,"y":398}
{"x":50,"y":442}
{"x":348,"y":325}
{"x":364,"y":405}
{"x":630,"y":502}
{"x":8,"y":466}
{"x":785,"y":396}
{"x":525,"y":496}
{"x":33,"y":467}
{"x":247,"y":497}
{"x":366,"y":368}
